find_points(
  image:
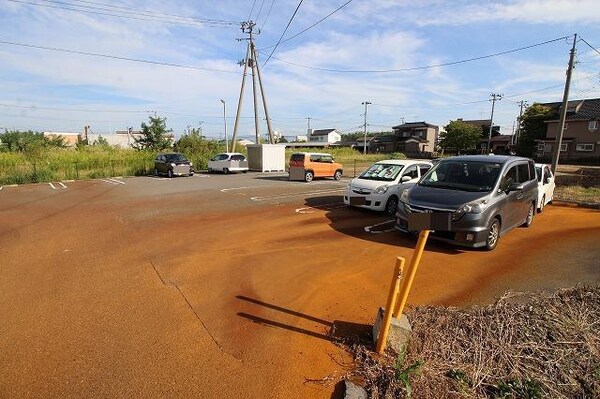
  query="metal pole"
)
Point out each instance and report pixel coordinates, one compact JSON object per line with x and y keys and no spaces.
{"x":563,"y":111}
{"x":366,"y":103}
{"x":411,"y":272}
{"x":389,"y":307}
{"x":254,"y":93}
{"x":262,"y":93}
{"x":489,"y":141}
{"x":239,"y":108}
{"x":225,"y":123}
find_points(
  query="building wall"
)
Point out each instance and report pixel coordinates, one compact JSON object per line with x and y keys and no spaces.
{"x":585,"y":143}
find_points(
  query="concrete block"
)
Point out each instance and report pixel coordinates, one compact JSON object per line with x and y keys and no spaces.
{"x":354,"y":391}
{"x":399,"y":334}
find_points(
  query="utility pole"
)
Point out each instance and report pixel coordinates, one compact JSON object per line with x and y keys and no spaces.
{"x":522,"y":104}
{"x":563,"y":110}
{"x":366,"y":103}
{"x":308,"y":124}
{"x":225,"y":123}
{"x":252,"y":61}
{"x":495,"y":97}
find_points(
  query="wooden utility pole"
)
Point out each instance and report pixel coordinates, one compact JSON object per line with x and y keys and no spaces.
{"x":563,"y":110}
{"x":522,"y":104}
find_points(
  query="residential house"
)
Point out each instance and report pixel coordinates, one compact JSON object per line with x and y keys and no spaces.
{"x":484,"y":125}
{"x":502,"y":144}
{"x":325,"y":136}
{"x":581,"y":135}
{"x":412,"y":138}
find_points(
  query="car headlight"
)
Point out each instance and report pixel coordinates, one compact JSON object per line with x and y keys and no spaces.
{"x":172,"y":164}
{"x":381,"y":189}
{"x":471,"y":207}
{"x":404,"y":196}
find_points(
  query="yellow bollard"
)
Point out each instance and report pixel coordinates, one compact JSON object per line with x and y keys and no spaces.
{"x":391,"y":300}
{"x":410,"y":273}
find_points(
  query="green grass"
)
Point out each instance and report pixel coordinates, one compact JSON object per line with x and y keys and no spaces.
{"x":96,"y":162}
{"x":578,"y":194}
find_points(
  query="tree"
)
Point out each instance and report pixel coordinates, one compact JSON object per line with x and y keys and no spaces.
{"x":101,"y":142}
{"x":533,"y":127}
{"x":460,"y":136}
{"x":154,"y":135}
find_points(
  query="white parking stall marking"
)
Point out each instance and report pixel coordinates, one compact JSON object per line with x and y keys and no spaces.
{"x":1,"y":187}
{"x":62,"y":184}
{"x":116,"y":181}
{"x":309,"y":193}
{"x":322,"y":207}
{"x":52,"y":185}
{"x":369,"y":229}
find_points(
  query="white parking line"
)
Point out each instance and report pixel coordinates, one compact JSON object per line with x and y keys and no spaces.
{"x":322,"y":207}
{"x":310,"y":193}
{"x":62,"y":184}
{"x":52,"y":185}
{"x":116,"y":181}
{"x":369,"y":229}
{"x":1,"y":187}
{"x":68,"y":181}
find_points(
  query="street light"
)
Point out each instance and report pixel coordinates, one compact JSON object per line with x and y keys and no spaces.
{"x":366,"y":103}
{"x":225,"y":123}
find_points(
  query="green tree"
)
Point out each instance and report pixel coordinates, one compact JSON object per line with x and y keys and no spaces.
{"x":533,"y":127}
{"x":101,"y":142}
{"x":18,"y":141}
{"x":460,"y":136}
{"x":154,"y":135}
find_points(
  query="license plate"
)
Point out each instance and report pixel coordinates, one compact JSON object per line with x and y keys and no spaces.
{"x":357,"y":200}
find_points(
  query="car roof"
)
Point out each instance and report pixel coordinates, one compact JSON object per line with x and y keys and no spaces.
{"x":230,"y":153}
{"x":313,"y":153}
{"x":402,"y":162}
{"x":486,"y":158}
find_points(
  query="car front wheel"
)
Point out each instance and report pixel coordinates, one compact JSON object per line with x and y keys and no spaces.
{"x":337,"y":175}
{"x":170,"y":173}
{"x":391,"y":206}
{"x":493,"y":235}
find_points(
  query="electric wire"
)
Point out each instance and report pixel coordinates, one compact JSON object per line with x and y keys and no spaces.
{"x":423,"y":67}
{"x":119,"y":8}
{"x":268,"y":14}
{"x":311,"y":26}
{"x":115,"y":57}
{"x":589,"y":45}
{"x":251,"y":10}
{"x":120,"y":15}
{"x":285,"y":30}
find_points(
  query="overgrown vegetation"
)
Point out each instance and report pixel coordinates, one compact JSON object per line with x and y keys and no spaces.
{"x":590,"y":195}
{"x":536,"y":346}
{"x":533,"y":127}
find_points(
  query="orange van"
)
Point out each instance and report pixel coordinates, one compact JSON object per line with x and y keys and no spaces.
{"x":308,"y":165}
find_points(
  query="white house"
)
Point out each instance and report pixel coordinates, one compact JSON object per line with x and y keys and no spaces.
{"x":325,"y":136}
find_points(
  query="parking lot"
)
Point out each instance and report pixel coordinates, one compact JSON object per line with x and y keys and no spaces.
{"x":228,"y":285}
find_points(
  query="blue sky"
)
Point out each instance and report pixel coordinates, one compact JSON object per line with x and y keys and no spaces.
{"x":52,"y":90}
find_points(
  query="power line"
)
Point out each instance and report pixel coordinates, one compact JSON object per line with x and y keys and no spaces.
{"x":120,"y":15}
{"x":251,"y":10}
{"x":150,"y":13}
{"x":589,"y":45}
{"x":262,"y":3}
{"x":268,"y":14}
{"x":115,"y":57}
{"x":285,"y":30}
{"x":418,"y":68}
{"x":313,"y":25}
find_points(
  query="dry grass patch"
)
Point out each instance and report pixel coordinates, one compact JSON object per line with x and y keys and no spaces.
{"x":577,"y":194}
{"x":538,"y":346}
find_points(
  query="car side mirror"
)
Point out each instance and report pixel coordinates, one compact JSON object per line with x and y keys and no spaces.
{"x":405,"y":179}
{"x":515,"y":187}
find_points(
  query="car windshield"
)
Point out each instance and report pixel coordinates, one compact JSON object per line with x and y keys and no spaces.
{"x":538,"y":173}
{"x":463,"y":175}
{"x":381,"y":171}
{"x":176,"y":158}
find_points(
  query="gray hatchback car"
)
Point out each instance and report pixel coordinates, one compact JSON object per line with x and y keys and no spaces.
{"x":486,"y":196}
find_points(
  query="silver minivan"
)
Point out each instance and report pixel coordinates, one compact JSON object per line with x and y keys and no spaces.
{"x":485,"y":195}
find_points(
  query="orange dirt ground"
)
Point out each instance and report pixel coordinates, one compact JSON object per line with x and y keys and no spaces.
{"x":228,"y":286}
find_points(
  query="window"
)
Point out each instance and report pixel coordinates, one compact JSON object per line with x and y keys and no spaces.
{"x":509,"y":178}
{"x":563,"y":147}
{"x":523,"y":171}
{"x":411,"y":171}
{"x":541,"y":147}
{"x":424,"y":168}
{"x":584,"y":147}
{"x":593,"y":126}
{"x":315,"y":158}
{"x":566,"y":126}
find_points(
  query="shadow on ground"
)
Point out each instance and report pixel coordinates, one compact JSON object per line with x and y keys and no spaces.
{"x":369,"y":225}
{"x":337,"y":330}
